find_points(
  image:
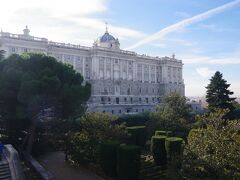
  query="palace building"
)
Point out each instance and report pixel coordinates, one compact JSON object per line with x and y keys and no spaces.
{"x":122,"y":81}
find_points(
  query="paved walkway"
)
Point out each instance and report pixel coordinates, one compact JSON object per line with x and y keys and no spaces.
{"x":55,"y":163}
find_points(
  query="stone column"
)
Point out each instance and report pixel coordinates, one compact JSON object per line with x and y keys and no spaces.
{"x":105,"y":68}
{"x":155,"y":73}
{"x":84,"y":58}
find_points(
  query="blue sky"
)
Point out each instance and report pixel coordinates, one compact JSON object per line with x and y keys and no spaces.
{"x":209,"y":44}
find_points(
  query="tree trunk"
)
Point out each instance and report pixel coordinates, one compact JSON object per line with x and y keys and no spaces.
{"x":31,"y":136}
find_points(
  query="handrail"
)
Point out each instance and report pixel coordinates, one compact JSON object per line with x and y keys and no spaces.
{"x":14,"y":162}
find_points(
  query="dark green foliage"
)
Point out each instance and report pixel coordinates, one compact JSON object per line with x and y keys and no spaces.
{"x":81,"y":148}
{"x":128,"y":162}
{"x":31,"y":83}
{"x":212,"y":151}
{"x":173,"y":115}
{"x":158,"y":149}
{"x":108,"y":157}
{"x":139,"y":119}
{"x":193,"y":132}
{"x":137,"y":135}
{"x":218,"y":95}
{"x":173,"y":146}
{"x":163,"y":133}
{"x":236,"y":111}
{"x":96,"y":128}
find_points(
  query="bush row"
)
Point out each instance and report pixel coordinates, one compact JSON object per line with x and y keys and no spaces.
{"x":121,"y":161}
{"x":108,"y":157}
{"x":137,"y":135}
{"x":164,"y":147}
{"x":163,"y":133}
{"x":158,"y":149}
{"x":128,"y":162}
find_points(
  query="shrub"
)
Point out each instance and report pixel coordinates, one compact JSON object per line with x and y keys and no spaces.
{"x":128,"y":162}
{"x":82,"y":148}
{"x":214,"y":152}
{"x":163,"y":133}
{"x":158,"y":149}
{"x":193,"y":132}
{"x":95,"y":129}
{"x":138,"y":135}
{"x":108,"y":157}
{"x":173,"y":146}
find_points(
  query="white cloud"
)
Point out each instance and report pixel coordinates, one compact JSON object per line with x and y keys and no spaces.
{"x":205,"y":72}
{"x":228,"y":59}
{"x":71,"y":21}
{"x":235,"y":87}
{"x":211,"y":27}
{"x":178,"y":26}
{"x":181,"y":42}
{"x":182,"y":14}
{"x":57,"y":8}
{"x":161,"y":45}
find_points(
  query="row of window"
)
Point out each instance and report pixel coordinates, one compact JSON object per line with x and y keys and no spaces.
{"x":126,"y":100}
{"x":120,"y":111}
{"x":129,"y":90}
{"x":18,"y":50}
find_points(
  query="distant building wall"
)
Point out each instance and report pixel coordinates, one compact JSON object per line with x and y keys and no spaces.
{"x":122,"y":81}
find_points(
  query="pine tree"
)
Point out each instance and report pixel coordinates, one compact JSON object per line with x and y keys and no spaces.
{"x":218,"y":95}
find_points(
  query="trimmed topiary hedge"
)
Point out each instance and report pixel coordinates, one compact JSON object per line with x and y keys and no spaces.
{"x":163,"y":133}
{"x":158,"y":150}
{"x":173,"y":146}
{"x":128,"y":162}
{"x":137,"y":135}
{"x":108,"y":157}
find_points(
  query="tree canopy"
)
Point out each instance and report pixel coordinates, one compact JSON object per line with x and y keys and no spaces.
{"x":32,"y":83}
{"x":212,"y":151}
{"x":172,"y":115}
{"x":218,"y":94}
{"x":96,"y":128}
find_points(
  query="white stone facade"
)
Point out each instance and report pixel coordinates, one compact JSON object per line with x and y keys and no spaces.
{"x":122,"y":81}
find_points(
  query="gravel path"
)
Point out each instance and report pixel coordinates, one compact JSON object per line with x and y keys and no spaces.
{"x":55,"y":163}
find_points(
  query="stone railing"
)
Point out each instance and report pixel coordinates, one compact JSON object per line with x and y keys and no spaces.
{"x":68,"y":45}
{"x":14,"y":162}
{"x":23,"y":37}
{"x":39,"y":169}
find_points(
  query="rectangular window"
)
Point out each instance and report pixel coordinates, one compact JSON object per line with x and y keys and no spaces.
{"x":117,"y":100}
{"x":13,"y":50}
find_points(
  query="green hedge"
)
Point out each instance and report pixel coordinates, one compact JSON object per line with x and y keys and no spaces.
{"x":173,"y":146}
{"x":137,"y":135}
{"x":128,"y":162}
{"x":163,"y":133}
{"x":108,"y":157}
{"x":158,"y":149}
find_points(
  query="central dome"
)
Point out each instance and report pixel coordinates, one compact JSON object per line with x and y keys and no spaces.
{"x":107,"y":41}
{"x":107,"y":37}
